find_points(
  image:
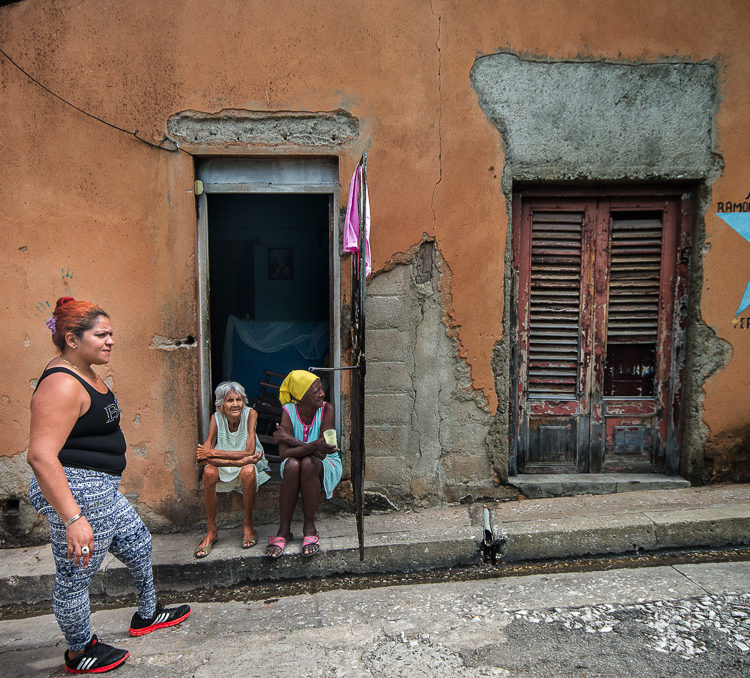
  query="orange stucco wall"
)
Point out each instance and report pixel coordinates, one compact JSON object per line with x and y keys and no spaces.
{"x":120,"y":216}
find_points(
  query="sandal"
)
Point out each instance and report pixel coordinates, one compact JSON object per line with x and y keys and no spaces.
{"x":203,"y":551}
{"x":275,"y":542}
{"x":312,"y":543}
{"x":249,"y":543}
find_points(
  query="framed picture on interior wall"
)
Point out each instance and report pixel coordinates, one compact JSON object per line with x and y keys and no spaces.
{"x":280,"y":263}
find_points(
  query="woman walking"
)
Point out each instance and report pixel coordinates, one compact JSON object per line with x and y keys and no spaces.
{"x":77,"y":453}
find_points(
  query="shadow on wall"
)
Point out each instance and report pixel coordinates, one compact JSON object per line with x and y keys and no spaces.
{"x":729,"y":456}
{"x":20,"y":524}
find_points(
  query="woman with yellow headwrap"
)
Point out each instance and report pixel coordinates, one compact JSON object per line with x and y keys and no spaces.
{"x":308,"y":462}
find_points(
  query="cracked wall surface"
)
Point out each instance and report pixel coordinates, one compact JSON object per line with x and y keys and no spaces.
{"x":96,"y":190}
{"x":426,"y":426}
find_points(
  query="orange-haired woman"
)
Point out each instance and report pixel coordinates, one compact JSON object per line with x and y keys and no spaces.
{"x":77,"y":453}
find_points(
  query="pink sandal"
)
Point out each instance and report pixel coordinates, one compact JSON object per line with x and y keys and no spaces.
{"x":313,"y":541}
{"x":279,"y":543}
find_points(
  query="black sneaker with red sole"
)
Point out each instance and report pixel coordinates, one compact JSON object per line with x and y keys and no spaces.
{"x":96,"y":658}
{"x":163,"y":617}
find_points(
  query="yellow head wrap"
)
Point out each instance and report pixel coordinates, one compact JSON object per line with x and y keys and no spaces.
{"x":295,"y":385}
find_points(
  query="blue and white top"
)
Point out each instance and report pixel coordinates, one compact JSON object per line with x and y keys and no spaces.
{"x":307,"y":433}
{"x":236,"y":441}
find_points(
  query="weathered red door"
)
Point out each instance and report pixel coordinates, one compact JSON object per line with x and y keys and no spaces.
{"x":601,"y":289}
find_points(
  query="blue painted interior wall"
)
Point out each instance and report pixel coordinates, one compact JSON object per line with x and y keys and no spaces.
{"x":299,"y":222}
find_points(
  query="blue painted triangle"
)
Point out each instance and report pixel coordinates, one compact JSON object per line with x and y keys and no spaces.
{"x":739,"y":221}
{"x":745,"y":300}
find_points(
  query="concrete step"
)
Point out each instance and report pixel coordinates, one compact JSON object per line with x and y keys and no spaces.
{"x":540,"y":485}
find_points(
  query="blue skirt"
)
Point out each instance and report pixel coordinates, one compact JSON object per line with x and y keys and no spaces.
{"x":332,"y":470}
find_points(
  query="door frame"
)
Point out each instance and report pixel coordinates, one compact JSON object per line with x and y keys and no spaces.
{"x":276,"y":175}
{"x":683,"y":194}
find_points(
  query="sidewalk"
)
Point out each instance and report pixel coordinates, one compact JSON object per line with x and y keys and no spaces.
{"x":409,"y":541}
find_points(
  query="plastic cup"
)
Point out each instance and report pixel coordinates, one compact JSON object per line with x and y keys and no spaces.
{"x":330,"y":436}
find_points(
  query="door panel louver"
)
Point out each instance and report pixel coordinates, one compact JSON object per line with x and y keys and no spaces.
{"x":635,"y":267}
{"x":599,"y":331}
{"x":555,"y":302}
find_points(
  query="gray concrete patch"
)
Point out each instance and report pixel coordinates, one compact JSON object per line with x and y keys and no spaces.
{"x":280,"y":128}
{"x":420,"y":384}
{"x":389,"y":344}
{"x":597,"y":121}
{"x":600,"y":120}
{"x":390,"y":376}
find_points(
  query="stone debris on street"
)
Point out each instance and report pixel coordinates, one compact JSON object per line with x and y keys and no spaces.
{"x":673,"y":626}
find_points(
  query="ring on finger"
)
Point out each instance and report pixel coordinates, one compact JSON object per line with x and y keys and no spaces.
{"x":84,"y":550}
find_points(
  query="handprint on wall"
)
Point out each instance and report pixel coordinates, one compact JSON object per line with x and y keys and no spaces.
{"x":43,"y":308}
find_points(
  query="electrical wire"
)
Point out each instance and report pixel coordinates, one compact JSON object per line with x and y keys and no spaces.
{"x":133,"y":133}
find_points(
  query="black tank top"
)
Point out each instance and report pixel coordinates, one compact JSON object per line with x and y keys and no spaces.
{"x":96,"y":441}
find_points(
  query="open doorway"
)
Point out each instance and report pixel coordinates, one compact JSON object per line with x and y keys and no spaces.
{"x":268,"y":285}
{"x":268,"y":272}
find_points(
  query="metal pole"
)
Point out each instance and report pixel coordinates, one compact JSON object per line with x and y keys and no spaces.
{"x":359,"y":472}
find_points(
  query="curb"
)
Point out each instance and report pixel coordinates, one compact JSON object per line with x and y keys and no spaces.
{"x":450,"y":538}
{"x":459,"y":546}
{"x":572,"y":536}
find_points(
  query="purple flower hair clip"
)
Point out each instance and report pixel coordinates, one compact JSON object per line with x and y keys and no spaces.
{"x":51,"y":324}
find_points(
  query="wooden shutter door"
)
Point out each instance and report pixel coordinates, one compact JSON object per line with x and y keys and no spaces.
{"x":553,"y":276}
{"x":601,"y":289}
{"x":633,"y":326}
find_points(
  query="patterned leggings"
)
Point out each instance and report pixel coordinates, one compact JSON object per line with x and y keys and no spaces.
{"x":117,"y":529}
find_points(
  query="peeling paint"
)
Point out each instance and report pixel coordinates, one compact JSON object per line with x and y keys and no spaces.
{"x":111,"y":192}
{"x":170,"y":344}
{"x":139,"y":450}
{"x":426,"y":424}
{"x":514,"y":116}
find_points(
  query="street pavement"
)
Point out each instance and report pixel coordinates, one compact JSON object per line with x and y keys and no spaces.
{"x":684,"y":620}
{"x":688,"y":619}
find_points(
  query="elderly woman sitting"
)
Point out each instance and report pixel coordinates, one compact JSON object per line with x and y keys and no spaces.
{"x":232,"y":459}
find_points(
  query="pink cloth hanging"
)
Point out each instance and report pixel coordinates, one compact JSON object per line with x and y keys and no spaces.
{"x":351,"y":226}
